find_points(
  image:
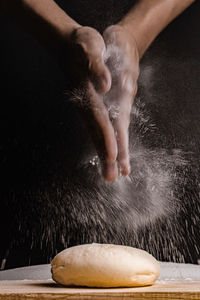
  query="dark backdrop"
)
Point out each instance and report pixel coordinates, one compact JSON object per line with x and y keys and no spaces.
{"x":43,"y":144}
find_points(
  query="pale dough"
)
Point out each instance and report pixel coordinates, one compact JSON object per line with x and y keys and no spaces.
{"x":104,"y":265}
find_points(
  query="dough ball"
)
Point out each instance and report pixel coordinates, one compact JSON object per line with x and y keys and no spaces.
{"x":104,"y":265}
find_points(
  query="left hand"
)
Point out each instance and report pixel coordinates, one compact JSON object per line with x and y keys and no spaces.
{"x":122,"y":59}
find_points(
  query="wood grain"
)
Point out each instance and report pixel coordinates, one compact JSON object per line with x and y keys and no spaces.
{"x":37,"y":289}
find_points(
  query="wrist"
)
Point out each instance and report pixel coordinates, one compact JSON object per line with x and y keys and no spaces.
{"x":148,"y":18}
{"x":66,"y":31}
{"x":139,"y":32}
{"x":134,"y":36}
{"x":48,"y":23}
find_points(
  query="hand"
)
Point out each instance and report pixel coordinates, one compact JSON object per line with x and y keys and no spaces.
{"x":86,"y":50}
{"x":122,"y":59}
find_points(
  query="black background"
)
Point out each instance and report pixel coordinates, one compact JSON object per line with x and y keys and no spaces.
{"x":42,"y":138}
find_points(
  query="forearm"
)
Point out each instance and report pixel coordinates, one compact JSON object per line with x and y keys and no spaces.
{"x":42,"y":18}
{"x":149,"y":17}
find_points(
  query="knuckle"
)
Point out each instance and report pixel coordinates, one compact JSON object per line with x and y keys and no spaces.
{"x":95,"y":64}
{"x":89,"y":38}
{"x":111,"y":156}
{"x":110,"y":159}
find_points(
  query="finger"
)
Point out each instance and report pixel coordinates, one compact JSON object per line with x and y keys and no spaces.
{"x":99,"y":74}
{"x":121,"y":126}
{"x":102,"y":133}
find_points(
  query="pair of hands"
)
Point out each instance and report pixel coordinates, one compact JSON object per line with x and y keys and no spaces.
{"x":107,"y":68}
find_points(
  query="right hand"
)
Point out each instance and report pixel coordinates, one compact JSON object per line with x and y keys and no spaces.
{"x":85,"y":50}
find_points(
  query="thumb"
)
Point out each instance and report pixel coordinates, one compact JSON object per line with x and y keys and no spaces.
{"x":100,"y":75}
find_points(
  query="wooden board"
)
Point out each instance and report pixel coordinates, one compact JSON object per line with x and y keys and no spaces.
{"x":47,"y":289}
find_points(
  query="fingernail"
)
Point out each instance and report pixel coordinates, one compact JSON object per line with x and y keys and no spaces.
{"x":125,"y":168}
